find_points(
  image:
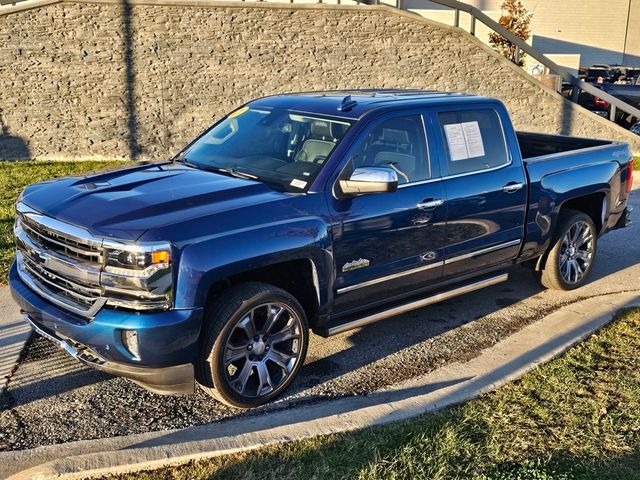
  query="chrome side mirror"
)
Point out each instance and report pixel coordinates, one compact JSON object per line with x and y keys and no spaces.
{"x":635,"y":128}
{"x":370,"y":180}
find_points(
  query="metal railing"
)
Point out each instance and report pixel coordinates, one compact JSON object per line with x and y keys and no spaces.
{"x":522,"y":46}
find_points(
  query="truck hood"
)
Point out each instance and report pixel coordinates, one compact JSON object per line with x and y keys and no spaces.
{"x":126,"y":203}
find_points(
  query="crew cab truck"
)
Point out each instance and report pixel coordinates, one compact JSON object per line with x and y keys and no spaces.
{"x":313,"y":211}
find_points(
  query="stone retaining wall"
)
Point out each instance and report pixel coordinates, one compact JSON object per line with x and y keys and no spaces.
{"x":106,"y":79}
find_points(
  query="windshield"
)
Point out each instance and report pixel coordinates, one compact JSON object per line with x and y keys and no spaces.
{"x":279,"y":147}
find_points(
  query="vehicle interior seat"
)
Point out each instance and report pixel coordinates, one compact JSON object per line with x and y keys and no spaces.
{"x":394,"y":149}
{"x":402,"y":163}
{"x":319,"y":145}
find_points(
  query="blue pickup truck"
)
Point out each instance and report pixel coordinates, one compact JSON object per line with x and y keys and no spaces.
{"x":317,"y":212}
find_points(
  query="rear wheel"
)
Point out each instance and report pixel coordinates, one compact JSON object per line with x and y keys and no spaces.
{"x":572,"y":252}
{"x":254,"y":344}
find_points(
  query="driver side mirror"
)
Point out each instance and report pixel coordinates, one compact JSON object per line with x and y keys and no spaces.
{"x":370,"y":180}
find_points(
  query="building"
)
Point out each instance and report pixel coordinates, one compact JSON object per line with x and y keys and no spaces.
{"x":573,"y":33}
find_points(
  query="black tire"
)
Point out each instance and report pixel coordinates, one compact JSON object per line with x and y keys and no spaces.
{"x":554,"y":273}
{"x":227,"y":321}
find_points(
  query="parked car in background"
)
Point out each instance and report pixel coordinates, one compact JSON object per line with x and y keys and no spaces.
{"x":629,"y":94}
{"x":631,"y":75}
{"x":598,"y":75}
{"x":585,"y":99}
{"x":317,"y":212}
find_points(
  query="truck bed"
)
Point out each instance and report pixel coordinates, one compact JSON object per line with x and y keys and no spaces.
{"x":534,"y":145}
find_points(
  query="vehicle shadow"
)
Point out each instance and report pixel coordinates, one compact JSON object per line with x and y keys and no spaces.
{"x":410,"y":331}
{"x":62,"y":374}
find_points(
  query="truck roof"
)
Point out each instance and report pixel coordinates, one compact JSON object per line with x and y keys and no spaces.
{"x":353,"y":104}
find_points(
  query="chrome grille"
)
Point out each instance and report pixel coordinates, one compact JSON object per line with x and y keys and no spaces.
{"x":58,"y":242}
{"x":57,"y":263}
{"x":60,"y":285}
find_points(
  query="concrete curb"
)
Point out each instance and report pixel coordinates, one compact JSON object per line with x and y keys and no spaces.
{"x":452,"y":384}
{"x":14,"y":333}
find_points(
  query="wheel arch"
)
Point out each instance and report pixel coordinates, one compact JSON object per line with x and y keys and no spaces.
{"x":593,"y":205}
{"x":299,"y":277}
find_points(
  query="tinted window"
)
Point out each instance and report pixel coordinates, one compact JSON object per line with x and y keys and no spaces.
{"x":398,"y":143}
{"x":592,"y":73}
{"x":473,"y":139}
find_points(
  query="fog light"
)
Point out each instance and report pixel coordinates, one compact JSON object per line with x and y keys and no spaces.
{"x":130,"y":341}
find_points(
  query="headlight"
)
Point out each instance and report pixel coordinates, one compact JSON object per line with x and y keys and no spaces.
{"x":139,"y":277}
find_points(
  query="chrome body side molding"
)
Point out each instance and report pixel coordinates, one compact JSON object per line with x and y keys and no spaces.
{"x":427,"y":267}
{"x":389,"y":277}
{"x":482,"y":252}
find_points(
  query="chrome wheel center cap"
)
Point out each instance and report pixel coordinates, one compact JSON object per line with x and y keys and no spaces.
{"x":258,"y":348}
{"x":571,"y":251}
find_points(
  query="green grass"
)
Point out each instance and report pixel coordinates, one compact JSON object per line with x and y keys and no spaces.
{"x":14,"y":177}
{"x":577,"y":417}
{"x":636,"y":162}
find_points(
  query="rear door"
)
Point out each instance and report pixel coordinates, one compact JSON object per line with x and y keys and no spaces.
{"x":389,"y":244}
{"x":485,"y":185}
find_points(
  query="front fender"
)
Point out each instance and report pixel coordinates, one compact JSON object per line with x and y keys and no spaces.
{"x":230,"y":253}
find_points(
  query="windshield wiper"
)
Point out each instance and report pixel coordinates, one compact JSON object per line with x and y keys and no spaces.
{"x":232,"y":172}
{"x":185,"y":161}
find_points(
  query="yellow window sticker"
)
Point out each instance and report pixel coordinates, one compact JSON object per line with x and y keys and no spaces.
{"x":238,"y":112}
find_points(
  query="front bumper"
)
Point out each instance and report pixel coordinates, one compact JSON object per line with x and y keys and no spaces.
{"x":168,"y":341}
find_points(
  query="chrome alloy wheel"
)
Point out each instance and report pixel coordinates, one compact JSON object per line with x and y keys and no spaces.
{"x":262,"y":349}
{"x":576,"y":252}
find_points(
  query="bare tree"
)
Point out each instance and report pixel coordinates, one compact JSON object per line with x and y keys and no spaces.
{"x":517,"y":20}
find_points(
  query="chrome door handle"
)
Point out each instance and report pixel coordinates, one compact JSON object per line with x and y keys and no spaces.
{"x":430,"y":204}
{"x":512,"y":187}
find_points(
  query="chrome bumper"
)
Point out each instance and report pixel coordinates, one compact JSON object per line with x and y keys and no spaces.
{"x":173,"y":380}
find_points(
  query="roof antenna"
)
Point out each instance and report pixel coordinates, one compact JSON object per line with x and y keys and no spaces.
{"x":347,"y":104}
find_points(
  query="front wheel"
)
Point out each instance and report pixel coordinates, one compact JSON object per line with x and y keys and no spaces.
{"x":572,"y":252}
{"x":254,"y":343}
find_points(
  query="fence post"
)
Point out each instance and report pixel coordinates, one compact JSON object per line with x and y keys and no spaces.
{"x":516,"y":55}
{"x":472,"y":28}
{"x":456,"y":18}
{"x":612,"y":113}
{"x":575,"y":94}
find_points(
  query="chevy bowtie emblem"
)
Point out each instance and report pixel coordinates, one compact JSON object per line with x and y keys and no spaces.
{"x":355,"y":264}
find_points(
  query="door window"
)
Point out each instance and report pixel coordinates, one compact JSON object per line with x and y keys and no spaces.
{"x":398,"y":143}
{"x":474,"y":141}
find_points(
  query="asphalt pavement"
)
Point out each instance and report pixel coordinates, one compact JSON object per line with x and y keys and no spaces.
{"x":53,"y":399}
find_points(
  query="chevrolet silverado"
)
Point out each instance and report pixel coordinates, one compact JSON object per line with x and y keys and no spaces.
{"x":305,"y":212}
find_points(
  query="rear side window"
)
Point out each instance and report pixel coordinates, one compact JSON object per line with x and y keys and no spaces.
{"x":473,"y":139}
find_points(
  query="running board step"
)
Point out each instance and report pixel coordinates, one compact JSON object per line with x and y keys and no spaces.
{"x":439,"y":297}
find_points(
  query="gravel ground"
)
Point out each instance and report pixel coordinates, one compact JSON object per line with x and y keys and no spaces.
{"x":53,"y":399}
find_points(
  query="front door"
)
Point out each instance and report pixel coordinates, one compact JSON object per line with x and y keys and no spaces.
{"x":389,"y":244}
